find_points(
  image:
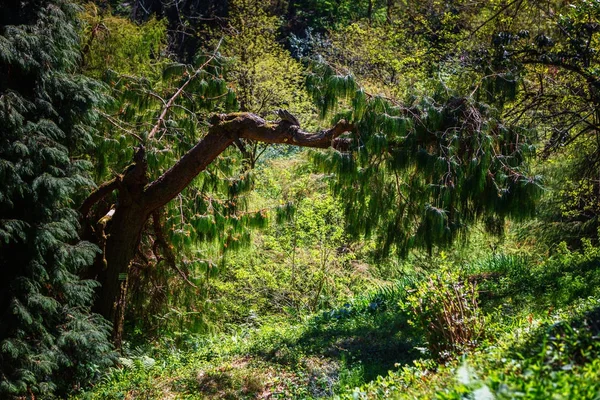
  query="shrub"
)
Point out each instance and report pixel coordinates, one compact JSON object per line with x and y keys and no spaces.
{"x":446,"y":309}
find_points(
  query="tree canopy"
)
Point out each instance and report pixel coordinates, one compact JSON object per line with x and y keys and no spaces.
{"x":133,"y":133}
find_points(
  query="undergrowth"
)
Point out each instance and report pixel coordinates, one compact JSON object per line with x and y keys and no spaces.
{"x":535,"y":334}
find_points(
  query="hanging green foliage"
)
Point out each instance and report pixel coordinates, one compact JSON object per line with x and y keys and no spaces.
{"x":419,"y":175}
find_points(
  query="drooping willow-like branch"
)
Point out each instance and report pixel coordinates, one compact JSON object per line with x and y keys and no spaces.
{"x":168,"y":252}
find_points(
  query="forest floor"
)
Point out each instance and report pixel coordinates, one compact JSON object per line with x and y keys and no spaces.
{"x":539,"y":339}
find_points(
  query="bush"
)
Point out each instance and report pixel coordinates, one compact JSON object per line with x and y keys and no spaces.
{"x":446,"y":309}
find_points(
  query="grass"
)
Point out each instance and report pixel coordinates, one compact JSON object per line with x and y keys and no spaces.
{"x":542,"y":341}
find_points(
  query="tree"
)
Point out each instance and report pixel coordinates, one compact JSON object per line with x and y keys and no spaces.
{"x":454,"y":147}
{"x":138,"y":199}
{"x":538,"y":63}
{"x":50,"y":342}
{"x":413,"y":174}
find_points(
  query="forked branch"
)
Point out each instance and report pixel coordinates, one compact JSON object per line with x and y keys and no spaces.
{"x":103,"y":190}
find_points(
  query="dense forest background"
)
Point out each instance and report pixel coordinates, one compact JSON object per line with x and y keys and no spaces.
{"x":299,"y":199}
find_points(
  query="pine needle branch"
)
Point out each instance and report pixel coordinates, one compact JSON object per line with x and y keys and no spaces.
{"x":162,"y":242}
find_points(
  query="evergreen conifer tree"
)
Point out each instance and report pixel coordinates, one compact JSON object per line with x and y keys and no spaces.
{"x":419,"y":175}
{"x":49,"y":341}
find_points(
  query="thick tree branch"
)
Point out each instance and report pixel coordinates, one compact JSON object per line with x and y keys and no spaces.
{"x":225,"y":129}
{"x":103,"y":190}
{"x":133,"y":175}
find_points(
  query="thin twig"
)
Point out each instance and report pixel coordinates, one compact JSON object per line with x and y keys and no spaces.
{"x":169,"y":103}
{"x":116,"y":124}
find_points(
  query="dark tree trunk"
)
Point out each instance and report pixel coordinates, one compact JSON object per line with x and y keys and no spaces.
{"x":123,"y":239}
{"x":137,"y":200}
{"x":122,"y":236}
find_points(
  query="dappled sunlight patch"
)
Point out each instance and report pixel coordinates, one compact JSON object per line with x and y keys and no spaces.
{"x":322,"y":373}
{"x":243,"y":377}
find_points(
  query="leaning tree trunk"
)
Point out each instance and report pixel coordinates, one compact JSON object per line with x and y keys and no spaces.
{"x":137,"y":200}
